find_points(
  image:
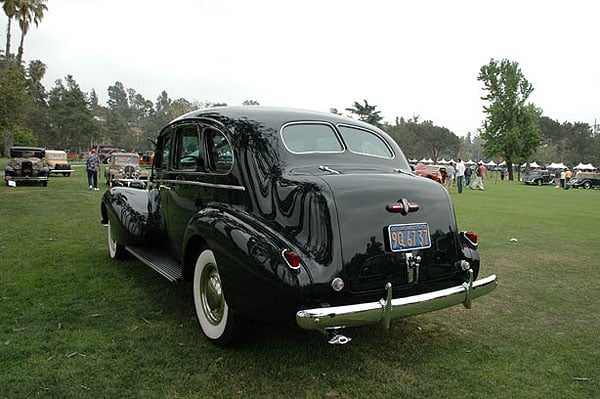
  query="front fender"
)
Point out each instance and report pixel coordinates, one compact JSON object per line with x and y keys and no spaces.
{"x":255,"y":278}
{"x":131,"y":215}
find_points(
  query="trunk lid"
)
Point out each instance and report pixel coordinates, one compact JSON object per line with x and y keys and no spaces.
{"x":363,"y":202}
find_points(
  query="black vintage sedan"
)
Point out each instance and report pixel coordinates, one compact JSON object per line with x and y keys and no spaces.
{"x":538,"y":177}
{"x":278,"y":213}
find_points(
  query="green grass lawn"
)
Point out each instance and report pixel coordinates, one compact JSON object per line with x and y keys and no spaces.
{"x":75,"y":324}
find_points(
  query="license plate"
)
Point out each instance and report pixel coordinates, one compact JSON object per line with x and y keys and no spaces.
{"x":407,"y":237}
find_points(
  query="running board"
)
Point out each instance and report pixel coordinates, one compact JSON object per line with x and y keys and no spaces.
{"x":160,"y":261}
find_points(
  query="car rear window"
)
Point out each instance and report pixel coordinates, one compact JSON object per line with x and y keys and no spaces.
{"x":301,"y":138}
{"x":363,"y":142}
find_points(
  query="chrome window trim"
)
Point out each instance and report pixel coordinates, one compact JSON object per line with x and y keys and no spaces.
{"x":200,"y":184}
{"x":390,"y":149}
{"x":206,"y":126}
{"x":310,"y":122}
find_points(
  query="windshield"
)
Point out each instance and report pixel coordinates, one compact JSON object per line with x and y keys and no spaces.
{"x":55,"y":156}
{"x":125,"y":159}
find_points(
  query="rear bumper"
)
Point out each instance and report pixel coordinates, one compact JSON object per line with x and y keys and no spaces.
{"x":387,"y":309}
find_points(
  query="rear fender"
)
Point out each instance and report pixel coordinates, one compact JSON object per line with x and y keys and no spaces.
{"x":250,"y":262}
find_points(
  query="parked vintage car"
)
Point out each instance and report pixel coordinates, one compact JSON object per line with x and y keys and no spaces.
{"x":124,"y":169}
{"x":105,"y":151}
{"x":26,"y":164}
{"x":538,"y":177}
{"x":585,"y":180}
{"x":56,"y":161}
{"x":277,"y":213}
{"x":147,"y":158}
{"x":434,"y":172}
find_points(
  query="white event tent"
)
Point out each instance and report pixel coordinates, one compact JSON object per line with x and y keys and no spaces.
{"x":585,"y":166}
{"x":557,"y":165}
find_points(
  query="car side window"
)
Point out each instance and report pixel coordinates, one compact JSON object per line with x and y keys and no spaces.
{"x":220,"y":156}
{"x":363,"y":142}
{"x":301,"y":138}
{"x":163,"y":155}
{"x":188,"y":155}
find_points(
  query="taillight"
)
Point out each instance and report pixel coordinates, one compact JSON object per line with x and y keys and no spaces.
{"x":291,"y":258}
{"x":470,"y":238}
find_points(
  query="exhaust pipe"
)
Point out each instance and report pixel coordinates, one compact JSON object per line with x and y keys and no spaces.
{"x":335,"y":338}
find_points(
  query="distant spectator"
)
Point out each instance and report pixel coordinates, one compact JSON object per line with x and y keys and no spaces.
{"x":449,"y":174}
{"x":478,"y":182}
{"x":460,"y":174}
{"x":568,"y":175}
{"x":468,"y":173}
{"x":92,"y":166}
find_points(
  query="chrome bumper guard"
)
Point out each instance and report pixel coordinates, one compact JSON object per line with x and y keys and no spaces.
{"x":387,"y":309}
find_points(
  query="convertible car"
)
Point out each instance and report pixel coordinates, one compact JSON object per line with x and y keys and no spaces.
{"x":277,"y":213}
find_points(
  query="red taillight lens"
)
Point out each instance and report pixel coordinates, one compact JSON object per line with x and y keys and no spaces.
{"x":291,"y":258}
{"x":470,"y":238}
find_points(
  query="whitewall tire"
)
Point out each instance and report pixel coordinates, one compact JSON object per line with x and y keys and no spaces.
{"x":214,"y":315}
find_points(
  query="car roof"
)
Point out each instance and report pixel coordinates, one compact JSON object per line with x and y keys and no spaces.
{"x":272,"y":117}
{"x":23,"y":148}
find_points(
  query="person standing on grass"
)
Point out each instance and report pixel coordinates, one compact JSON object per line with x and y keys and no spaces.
{"x":468,"y":172}
{"x":449,"y":175}
{"x":460,"y":174}
{"x":92,"y":165}
{"x":478,"y":182}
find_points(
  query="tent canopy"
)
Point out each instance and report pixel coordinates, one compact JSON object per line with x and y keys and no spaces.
{"x":557,"y":165}
{"x":584,"y":166}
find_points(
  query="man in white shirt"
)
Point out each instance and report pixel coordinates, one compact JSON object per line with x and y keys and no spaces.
{"x":460,"y":174}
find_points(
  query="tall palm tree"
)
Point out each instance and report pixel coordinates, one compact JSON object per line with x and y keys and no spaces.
{"x":10,"y":9}
{"x":36,"y":71}
{"x":28,"y":11}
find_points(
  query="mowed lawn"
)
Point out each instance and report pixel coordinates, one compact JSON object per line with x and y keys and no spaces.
{"x":75,"y":324}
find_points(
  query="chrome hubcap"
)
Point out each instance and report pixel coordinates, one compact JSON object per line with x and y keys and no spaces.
{"x":211,"y":294}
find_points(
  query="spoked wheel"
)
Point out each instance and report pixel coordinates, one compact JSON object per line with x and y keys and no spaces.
{"x":214,"y":316}
{"x":115,"y":250}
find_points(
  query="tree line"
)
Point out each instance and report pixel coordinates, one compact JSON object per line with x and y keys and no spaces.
{"x":67,"y":118}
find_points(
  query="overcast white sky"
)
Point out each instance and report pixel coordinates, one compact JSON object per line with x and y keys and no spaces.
{"x":408,"y":58}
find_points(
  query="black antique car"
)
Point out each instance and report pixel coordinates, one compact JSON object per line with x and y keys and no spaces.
{"x":538,"y":177}
{"x":585,"y":180}
{"x":27,"y":165}
{"x":278,"y":213}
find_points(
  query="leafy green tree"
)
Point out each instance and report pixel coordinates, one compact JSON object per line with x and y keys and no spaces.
{"x":511,"y":128}
{"x":28,"y":11}
{"x":250,"y":102}
{"x":14,"y":100}
{"x":93,"y":101}
{"x":162,"y":103}
{"x":424,"y":139}
{"x":37,"y":119}
{"x":366,"y":113}
{"x":73,"y":124}
{"x":117,"y":100}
